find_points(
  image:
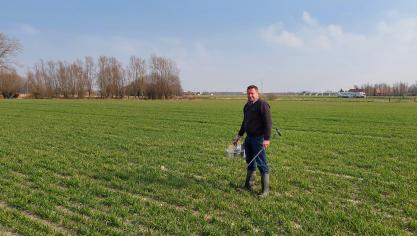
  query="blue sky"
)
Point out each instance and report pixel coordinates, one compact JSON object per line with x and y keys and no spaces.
{"x":226,"y":45}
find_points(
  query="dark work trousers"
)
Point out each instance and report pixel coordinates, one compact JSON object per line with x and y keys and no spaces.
{"x":252,"y":146}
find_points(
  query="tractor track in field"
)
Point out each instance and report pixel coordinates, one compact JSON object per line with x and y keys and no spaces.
{"x":5,"y":231}
{"x":56,"y":228}
{"x":348,"y":134}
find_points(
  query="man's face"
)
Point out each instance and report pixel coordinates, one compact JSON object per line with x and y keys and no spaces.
{"x":253,"y":95}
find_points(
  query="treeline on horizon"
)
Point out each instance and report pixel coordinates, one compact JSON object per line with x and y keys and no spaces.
{"x":104,"y":77}
{"x":397,"y":89}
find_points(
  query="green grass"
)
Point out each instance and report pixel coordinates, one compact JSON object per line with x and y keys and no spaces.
{"x":136,"y":167}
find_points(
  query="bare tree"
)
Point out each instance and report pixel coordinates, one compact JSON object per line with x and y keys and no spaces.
{"x":116,"y":78}
{"x":412,"y":90}
{"x":78,"y":79}
{"x":89,"y":73}
{"x":400,"y":89}
{"x":66,"y":79}
{"x":102,"y":75}
{"x":383,"y":89}
{"x":10,"y":83}
{"x":136,"y":76}
{"x":368,"y":89}
{"x":52,"y":83}
{"x":35,"y":84}
{"x":41,"y":81}
{"x":164,"y":78}
{"x":8,"y":49}
{"x":48,"y":71}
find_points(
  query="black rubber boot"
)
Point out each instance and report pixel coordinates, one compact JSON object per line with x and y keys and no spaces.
{"x":250,"y":180}
{"x":265,"y":185}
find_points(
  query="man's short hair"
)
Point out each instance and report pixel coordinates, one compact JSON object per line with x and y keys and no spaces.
{"x":252,"y":87}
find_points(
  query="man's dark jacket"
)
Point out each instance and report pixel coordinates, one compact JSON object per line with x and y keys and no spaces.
{"x":257,"y":119}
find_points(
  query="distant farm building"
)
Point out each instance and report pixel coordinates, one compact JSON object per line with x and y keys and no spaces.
{"x":352,"y":93}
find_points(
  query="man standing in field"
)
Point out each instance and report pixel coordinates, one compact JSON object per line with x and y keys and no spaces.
{"x":257,"y":123}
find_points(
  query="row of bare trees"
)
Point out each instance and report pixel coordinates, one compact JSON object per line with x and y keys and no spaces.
{"x":396,"y":89}
{"x":106,"y":78}
{"x":58,"y":79}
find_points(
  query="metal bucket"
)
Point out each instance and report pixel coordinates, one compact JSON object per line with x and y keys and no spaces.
{"x":235,"y":151}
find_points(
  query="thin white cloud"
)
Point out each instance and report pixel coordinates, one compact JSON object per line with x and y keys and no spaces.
{"x":312,"y":35}
{"x":289,"y":39}
{"x":28,"y":29}
{"x":403,"y":30}
{"x":171,"y":41}
{"x":275,"y":35}
{"x":335,"y":31}
{"x":309,"y":20}
{"x":392,"y":13}
{"x":333,"y":57}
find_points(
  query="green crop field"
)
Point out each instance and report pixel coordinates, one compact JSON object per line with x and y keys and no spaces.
{"x":112,"y":167}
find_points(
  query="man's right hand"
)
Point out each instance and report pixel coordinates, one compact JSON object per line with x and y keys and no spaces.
{"x":236,"y":140}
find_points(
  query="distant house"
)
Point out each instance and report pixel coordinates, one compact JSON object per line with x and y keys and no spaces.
{"x":356,"y":90}
{"x":352,"y":93}
{"x":188,"y":93}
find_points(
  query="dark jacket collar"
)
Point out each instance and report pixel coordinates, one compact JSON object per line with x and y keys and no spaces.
{"x":251,"y":103}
